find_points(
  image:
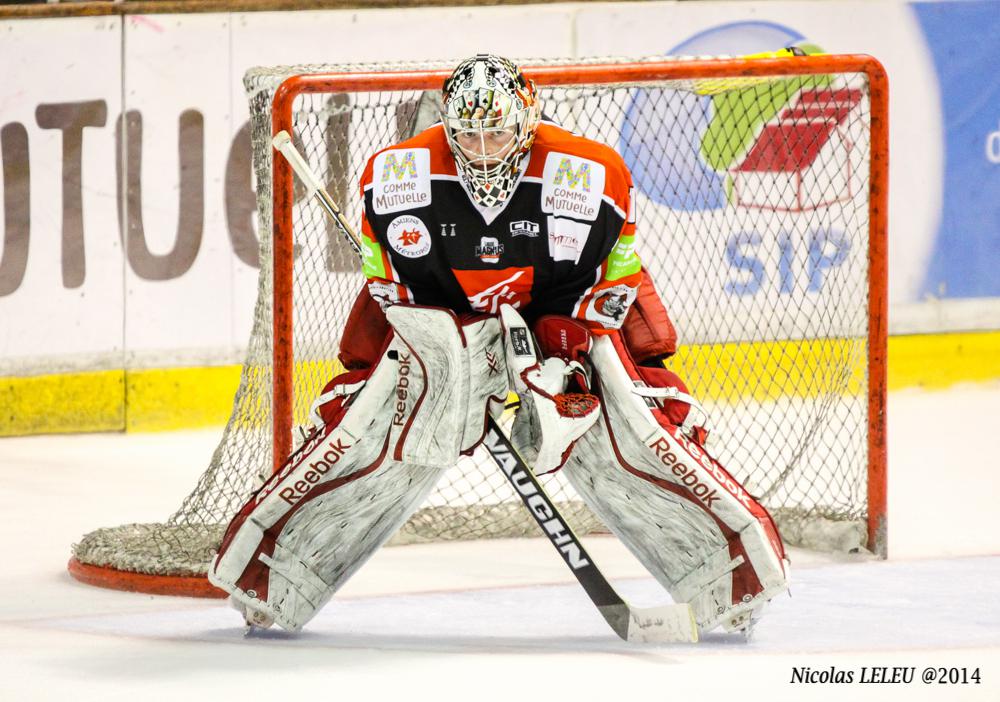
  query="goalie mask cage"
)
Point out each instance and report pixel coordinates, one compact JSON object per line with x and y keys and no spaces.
{"x":760,"y":194}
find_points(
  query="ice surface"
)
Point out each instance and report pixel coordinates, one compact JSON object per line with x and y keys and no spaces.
{"x":501,"y":620}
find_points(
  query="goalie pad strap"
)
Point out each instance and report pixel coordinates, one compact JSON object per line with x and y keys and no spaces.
{"x":339,"y":390}
{"x":674,"y":394}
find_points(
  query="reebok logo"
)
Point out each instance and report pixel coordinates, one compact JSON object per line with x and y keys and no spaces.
{"x":688,"y":477}
{"x":332,"y":451}
{"x":402,"y":390}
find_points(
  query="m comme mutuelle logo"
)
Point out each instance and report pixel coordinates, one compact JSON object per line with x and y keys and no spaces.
{"x":572,"y":186}
{"x":404,"y":182}
{"x":572,"y":179}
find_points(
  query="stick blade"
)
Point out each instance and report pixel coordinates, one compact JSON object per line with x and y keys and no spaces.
{"x":668,"y":624}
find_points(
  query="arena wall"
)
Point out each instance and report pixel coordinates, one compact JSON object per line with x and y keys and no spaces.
{"x":128,"y":256}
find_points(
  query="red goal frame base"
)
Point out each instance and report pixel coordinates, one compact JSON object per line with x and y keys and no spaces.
{"x":114,"y":579}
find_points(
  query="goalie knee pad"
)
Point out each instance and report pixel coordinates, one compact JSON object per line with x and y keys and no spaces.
{"x":383,"y":440}
{"x":694,"y":527}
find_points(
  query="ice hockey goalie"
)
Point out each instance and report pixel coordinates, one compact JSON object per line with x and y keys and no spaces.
{"x":485,"y":228}
{"x":387,"y":433}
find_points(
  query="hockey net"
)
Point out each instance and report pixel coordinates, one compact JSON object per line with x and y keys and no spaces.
{"x":760,"y":200}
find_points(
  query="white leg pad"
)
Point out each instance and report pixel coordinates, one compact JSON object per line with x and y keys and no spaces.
{"x":690,"y":524}
{"x":350,"y":487}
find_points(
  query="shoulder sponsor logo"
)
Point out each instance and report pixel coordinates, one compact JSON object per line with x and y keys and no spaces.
{"x":572,"y":186}
{"x":405,"y":181}
{"x":610,"y":305}
{"x":631,"y":206}
{"x":580,"y":176}
{"x":408,"y":236}
{"x":567,"y":239}
{"x":489,"y":250}
{"x":524,"y":228}
{"x":399,"y":165}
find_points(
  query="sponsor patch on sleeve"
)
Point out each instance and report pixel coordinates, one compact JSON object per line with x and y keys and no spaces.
{"x":623,"y":261}
{"x":408,"y":236}
{"x":371,"y":259}
{"x":572,"y":186}
{"x":401,"y":180}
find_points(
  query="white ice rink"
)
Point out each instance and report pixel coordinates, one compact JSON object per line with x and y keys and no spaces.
{"x":502,"y":620}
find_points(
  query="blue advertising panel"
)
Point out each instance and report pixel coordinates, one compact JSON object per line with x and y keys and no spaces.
{"x":962,"y":38}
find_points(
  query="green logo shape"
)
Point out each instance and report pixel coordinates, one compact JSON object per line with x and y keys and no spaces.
{"x":623,"y":261}
{"x":371,"y":259}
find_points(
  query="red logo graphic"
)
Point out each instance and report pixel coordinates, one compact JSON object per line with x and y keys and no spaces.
{"x":489,"y":289}
{"x":409,"y":237}
{"x":788,"y":148}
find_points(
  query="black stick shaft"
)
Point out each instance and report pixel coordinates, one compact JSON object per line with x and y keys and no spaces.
{"x":555,"y":528}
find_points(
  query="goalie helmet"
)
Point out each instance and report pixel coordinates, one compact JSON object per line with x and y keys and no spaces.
{"x":490,"y":113}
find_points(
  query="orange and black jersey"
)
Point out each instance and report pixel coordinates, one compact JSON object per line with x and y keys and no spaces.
{"x":562,"y":243}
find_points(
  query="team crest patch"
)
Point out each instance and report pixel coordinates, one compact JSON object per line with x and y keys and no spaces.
{"x":609,"y":306}
{"x":401,"y":180}
{"x":408,"y":236}
{"x":572,"y":186}
{"x":489,"y":250}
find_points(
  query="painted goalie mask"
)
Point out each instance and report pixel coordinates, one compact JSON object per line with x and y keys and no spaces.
{"x":490,"y":113}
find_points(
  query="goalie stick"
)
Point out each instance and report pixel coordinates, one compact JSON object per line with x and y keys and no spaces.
{"x":664,"y":624}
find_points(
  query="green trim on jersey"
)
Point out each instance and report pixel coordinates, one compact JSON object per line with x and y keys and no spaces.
{"x":623,"y":261}
{"x":371,"y":256}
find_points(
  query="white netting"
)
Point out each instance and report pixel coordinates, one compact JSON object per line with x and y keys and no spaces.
{"x":752,"y":208}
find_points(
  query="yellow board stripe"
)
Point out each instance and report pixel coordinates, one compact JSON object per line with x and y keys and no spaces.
{"x":781,"y":369}
{"x":71,"y":402}
{"x":182,"y":398}
{"x":941,"y":360}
